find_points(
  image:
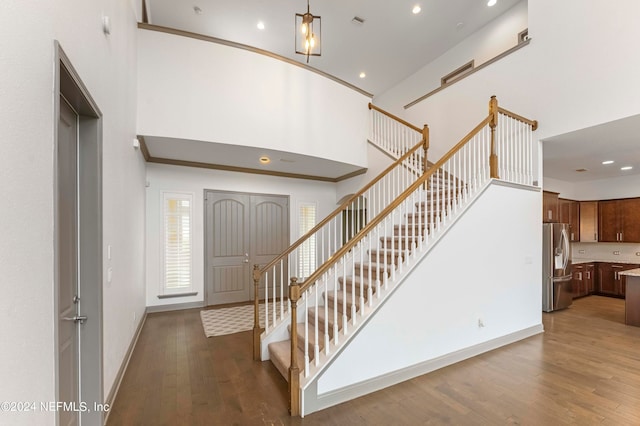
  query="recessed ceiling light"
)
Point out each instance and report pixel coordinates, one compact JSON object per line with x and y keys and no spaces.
{"x":416,"y":9}
{"x":626,"y":168}
{"x":492,"y":2}
{"x":608,"y":162}
{"x":260,"y":25}
{"x":265,"y":160}
{"x":363,"y":75}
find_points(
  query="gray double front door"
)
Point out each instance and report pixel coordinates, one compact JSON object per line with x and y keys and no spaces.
{"x":241,"y":230}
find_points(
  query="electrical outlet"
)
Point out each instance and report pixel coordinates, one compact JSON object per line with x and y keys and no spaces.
{"x":581,"y":251}
{"x":616,"y":253}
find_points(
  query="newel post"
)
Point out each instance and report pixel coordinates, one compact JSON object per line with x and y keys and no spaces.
{"x":294,"y":368}
{"x":256,"y":315}
{"x":493,"y":158}
{"x":425,"y":146}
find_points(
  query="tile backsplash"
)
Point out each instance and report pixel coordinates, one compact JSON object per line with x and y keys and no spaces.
{"x":627,"y":252}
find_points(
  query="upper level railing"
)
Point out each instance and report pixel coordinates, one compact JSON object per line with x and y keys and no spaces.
{"x":322,"y":242}
{"x":394,"y":135}
{"x":400,"y":232}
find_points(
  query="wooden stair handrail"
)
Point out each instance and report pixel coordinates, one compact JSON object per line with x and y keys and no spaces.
{"x":422,"y":144}
{"x":532,"y":123}
{"x":398,"y":119}
{"x":376,"y":220}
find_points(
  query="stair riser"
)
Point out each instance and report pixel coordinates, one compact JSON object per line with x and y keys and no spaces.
{"x":330,"y":322}
{"x":386,"y":257}
{"x":399,"y":244}
{"x":311,"y":335}
{"x":333,"y":304}
{"x":357,"y":289}
{"x":363,"y":271}
{"x":412,"y":231}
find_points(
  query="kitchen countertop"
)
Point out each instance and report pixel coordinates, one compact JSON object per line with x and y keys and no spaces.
{"x":631,"y":272}
{"x":581,"y":261}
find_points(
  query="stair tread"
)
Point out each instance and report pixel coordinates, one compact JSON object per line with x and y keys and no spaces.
{"x":311,"y":334}
{"x":340,"y":299}
{"x":280,"y":353}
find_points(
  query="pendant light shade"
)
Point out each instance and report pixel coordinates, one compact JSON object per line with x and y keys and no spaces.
{"x":308,"y":31}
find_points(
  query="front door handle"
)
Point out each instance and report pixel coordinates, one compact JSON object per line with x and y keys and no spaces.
{"x":78,"y":318}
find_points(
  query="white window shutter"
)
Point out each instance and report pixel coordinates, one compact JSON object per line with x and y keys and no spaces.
{"x":307,"y":252}
{"x":177,"y":242}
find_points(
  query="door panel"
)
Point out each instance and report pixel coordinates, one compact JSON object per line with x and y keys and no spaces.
{"x":228,"y":219}
{"x":67,"y":287}
{"x":242,"y":230}
{"x":270,"y":236}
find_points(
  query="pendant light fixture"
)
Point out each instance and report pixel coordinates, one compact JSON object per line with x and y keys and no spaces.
{"x":308,"y":32}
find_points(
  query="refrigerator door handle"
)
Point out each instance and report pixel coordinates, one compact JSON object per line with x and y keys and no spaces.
{"x":566,"y":247}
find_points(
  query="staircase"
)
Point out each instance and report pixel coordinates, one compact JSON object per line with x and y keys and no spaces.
{"x":355,"y":290}
{"x":354,"y":279}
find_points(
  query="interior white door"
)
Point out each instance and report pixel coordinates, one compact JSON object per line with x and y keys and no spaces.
{"x":67,"y":285}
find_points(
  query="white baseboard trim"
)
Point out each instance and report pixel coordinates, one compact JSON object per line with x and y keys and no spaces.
{"x":174,"y":307}
{"x":123,"y":367}
{"x":312,"y":402}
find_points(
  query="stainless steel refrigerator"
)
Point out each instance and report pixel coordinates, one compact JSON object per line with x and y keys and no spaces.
{"x":557,"y":288}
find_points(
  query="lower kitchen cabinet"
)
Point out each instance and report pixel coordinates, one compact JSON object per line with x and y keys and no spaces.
{"x":583,"y":279}
{"x":590,"y":277}
{"x":610,"y":282}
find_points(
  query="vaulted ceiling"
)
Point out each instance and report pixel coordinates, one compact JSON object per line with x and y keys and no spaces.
{"x":389,"y":46}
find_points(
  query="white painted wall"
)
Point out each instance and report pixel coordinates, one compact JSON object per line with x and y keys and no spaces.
{"x":107,"y":67}
{"x":177,"y":178}
{"x":576,"y":72}
{"x":26,"y":170}
{"x":378,"y":162}
{"x":483,"y":45}
{"x":487,"y":267}
{"x":245,"y":98}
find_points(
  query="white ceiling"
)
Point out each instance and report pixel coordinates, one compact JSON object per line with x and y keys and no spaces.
{"x":246,"y":157}
{"x":587,"y":148}
{"x":392,"y":44}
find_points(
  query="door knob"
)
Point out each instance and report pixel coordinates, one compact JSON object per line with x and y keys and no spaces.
{"x":78,"y":318}
{"x":245,"y":261}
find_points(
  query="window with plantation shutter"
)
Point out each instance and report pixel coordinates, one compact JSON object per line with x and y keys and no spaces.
{"x":307,"y":252}
{"x":177,"y":242}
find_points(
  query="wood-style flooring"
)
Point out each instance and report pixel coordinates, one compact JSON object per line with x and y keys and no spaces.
{"x":584,"y":370}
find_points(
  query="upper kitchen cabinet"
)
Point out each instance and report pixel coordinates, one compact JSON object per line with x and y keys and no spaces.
{"x":550,"y":211}
{"x":619,"y":220}
{"x":588,"y":221}
{"x":570,"y":213}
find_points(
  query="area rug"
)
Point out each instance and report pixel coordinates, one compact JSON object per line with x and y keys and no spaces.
{"x":218,"y":322}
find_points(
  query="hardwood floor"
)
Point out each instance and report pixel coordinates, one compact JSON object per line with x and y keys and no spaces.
{"x":584,"y":370}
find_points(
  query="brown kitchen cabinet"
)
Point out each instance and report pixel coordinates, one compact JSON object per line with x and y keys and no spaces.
{"x":610,"y":282}
{"x":583,"y":279}
{"x":569,"y":212}
{"x":619,"y":220}
{"x":550,"y":211}
{"x":590,"y":278}
{"x":578,"y":276}
{"x":588,"y":221}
